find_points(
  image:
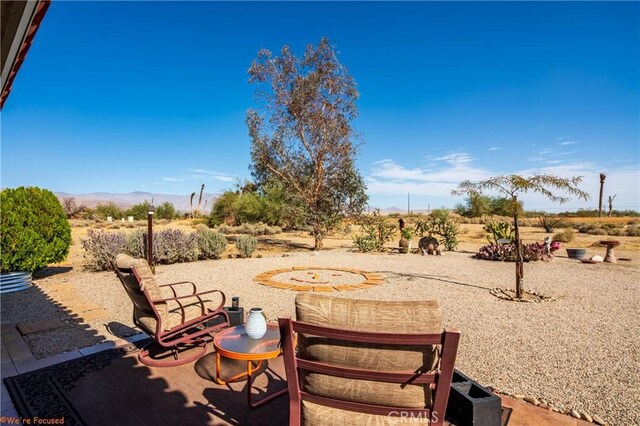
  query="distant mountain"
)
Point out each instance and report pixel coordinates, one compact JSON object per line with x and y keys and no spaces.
{"x":181,"y":202}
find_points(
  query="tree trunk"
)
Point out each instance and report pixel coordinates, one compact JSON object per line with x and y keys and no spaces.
{"x":602,"y":178}
{"x":519,"y":259}
{"x":317,"y":242}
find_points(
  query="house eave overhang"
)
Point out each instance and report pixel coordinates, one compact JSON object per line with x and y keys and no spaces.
{"x":20,"y":21}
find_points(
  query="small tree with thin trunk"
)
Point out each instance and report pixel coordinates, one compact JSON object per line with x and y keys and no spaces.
{"x":302,"y":137}
{"x":512,"y":186}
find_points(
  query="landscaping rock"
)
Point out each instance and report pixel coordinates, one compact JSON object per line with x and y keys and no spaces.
{"x":598,"y":420}
{"x":586,"y":416}
{"x":532,"y":400}
{"x":575,"y":414}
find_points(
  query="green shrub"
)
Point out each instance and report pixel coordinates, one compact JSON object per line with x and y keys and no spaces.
{"x":210,"y":243}
{"x":565,"y":236}
{"x":441,"y":224}
{"x":365,"y":243}
{"x":500,"y":230}
{"x":35,"y":230}
{"x":246,"y":245}
{"x":375,"y":232}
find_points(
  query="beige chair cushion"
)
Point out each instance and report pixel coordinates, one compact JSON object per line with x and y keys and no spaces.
{"x":148,"y":283}
{"x":373,"y":316}
{"x":124,"y":261}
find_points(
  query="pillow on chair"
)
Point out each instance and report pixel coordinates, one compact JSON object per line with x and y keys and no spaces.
{"x":372,"y":316}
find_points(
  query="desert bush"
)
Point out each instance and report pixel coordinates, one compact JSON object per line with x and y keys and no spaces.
{"x":564,"y":236}
{"x":586,"y":228}
{"x":210,"y":243}
{"x":169,"y":246}
{"x":597,"y":231}
{"x":440,"y":223}
{"x":34,"y":230}
{"x":633,"y":231}
{"x":246,"y":245}
{"x":173,"y":246}
{"x":550,"y":223}
{"x":101,"y":249}
{"x":617,"y":232}
{"x":375,"y":232}
{"x":249,"y":229}
{"x":365,"y":243}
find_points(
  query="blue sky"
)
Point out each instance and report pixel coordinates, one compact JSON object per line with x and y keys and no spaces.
{"x":152,"y":96}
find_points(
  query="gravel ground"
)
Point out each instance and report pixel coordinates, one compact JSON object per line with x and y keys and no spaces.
{"x":579,"y":351}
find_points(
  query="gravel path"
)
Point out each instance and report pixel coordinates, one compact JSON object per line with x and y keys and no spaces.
{"x":580,"y":351}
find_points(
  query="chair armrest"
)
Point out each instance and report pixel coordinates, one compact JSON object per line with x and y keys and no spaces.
{"x":177,"y":299}
{"x":170,"y":285}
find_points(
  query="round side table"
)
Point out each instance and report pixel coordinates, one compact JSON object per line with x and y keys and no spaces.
{"x":233,"y":343}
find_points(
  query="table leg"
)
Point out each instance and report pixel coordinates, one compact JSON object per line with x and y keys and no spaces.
{"x":250,"y":384}
{"x":230,"y":379}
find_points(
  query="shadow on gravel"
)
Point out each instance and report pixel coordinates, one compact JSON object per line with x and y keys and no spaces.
{"x":447,"y":280}
{"x":121,"y":330}
{"x":50,"y":271}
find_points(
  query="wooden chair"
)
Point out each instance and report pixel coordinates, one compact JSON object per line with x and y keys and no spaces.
{"x":367,"y":362}
{"x":176,"y":322}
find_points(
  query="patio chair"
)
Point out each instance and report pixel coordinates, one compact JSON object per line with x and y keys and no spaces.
{"x":367,"y":362}
{"x":176,"y":323}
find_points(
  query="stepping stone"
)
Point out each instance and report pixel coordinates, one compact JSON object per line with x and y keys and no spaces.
{"x":300,"y":288}
{"x":373,"y":282}
{"x":322,"y":288}
{"x":35,"y":327}
{"x":280,"y":285}
{"x":363,"y":285}
{"x":344,"y":287}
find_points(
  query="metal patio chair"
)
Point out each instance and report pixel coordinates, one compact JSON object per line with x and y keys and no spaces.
{"x":176,"y":322}
{"x":367,"y":362}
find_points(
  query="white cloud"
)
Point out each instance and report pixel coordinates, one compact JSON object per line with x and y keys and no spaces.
{"x":568,"y":143}
{"x":388,"y":178}
{"x":200,"y":175}
{"x":495,"y":148}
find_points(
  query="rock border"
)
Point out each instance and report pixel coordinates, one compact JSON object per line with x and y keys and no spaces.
{"x":501,"y":293}
{"x":370,"y":279}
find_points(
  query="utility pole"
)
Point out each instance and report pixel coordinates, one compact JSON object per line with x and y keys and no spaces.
{"x":408,"y":203}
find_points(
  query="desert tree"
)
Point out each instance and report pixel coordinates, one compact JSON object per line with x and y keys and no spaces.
{"x":301,"y":133}
{"x":512,"y":186}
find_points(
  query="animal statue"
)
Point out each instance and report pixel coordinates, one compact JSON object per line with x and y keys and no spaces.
{"x":429,"y":245}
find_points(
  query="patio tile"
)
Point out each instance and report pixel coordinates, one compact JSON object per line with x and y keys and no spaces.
{"x":16,"y":347}
{"x":35,"y":327}
{"x":97,"y":348}
{"x":8,"y":369}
